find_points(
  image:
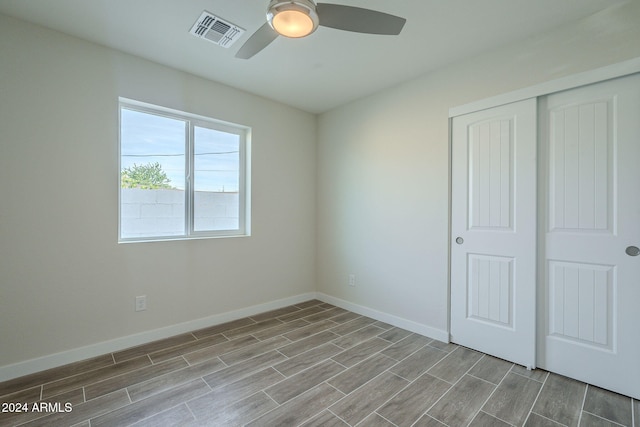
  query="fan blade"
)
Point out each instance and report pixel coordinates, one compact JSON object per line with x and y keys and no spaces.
{"x":258,"y":41}
{"x":359,"y":20}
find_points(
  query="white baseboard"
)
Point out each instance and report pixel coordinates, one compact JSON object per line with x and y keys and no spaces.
{"x":31,"y":366}
{"x":418,"y":328}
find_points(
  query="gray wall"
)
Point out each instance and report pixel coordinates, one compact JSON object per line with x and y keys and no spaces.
{"x":65,"y":282}
{"x":383,"y":166}
{"x":373,"y":189}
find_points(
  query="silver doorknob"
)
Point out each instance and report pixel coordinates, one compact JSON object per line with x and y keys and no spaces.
{"x":632,"y":251}
{"x":460,"y":241}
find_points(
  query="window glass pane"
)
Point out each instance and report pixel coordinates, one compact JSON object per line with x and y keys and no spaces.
{"x":216,"y":180}
{"x":152,"y":175}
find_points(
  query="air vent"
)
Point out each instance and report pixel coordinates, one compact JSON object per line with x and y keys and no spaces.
{"x":216,"y":30}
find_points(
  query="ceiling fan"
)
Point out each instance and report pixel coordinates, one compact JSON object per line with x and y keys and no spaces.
{"x":299,"y":18}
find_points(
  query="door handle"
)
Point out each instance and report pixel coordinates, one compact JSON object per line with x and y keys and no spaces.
{"x":460,"y":240}
{"x":632,"y":251}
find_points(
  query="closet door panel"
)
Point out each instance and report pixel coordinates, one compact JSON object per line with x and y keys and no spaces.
{"x":493,"y":253}
{"x":590,"y":139}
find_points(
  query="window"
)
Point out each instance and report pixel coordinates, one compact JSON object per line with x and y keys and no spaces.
{"x":181,"y":176}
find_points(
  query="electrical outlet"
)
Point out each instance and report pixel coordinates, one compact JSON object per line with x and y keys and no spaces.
{"x":141,"y":303}
{"x":352,"y":280}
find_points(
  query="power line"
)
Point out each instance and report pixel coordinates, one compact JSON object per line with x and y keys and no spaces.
{"x":219,"y":152}
{"x":180,"y":155}
{"x":152,"y":155}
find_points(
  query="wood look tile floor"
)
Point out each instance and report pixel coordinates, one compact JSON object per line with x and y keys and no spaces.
{"x":310,"y":364}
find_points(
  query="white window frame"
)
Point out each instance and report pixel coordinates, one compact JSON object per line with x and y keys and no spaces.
{"x":192,"y":121}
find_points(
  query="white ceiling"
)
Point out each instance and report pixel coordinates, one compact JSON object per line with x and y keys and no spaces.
{"x":328,"y":68}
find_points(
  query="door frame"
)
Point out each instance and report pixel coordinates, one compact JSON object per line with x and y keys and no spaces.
{"x":572,"y":81}
{"x":601,"y":75}
{"x":507,"y":327}
{"x":552,"y":350}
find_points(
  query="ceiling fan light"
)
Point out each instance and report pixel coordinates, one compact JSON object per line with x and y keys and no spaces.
{"x":292,"y":23}
{"x":293,"y":18}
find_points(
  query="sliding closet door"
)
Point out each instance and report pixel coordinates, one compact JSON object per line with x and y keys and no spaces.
{"x":493,"y":240}
{"x":591,"y":302}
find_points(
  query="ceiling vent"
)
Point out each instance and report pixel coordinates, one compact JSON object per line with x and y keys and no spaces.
{"x":216,"y":30}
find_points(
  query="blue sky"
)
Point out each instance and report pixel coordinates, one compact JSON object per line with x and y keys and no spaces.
{"x":147,"y":138}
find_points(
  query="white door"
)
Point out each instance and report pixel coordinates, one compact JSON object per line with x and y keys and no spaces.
{"x":590,"y":298}
{"x":493,"y":240}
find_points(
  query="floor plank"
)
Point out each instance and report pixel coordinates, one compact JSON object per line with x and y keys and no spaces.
{"x":178,"y":416}
{"x":206,"y":406}
{"x":84,"y":411}
{"x":362,"y":402}
{"x":300,"y":409}
{"x":54,"y":374}
{"x":412,"y":402}
{"x":309,"y":364}
{"x":418,"y":363}
{"x":491,"y":369}
{"x":77,"y":381}
{"x":361,"y":373}
{"x":513,"y":399}
{"x":162,"y":383}
{"x":151,"y":406}
{"x":305,"y":360}
{"x":303,"y":381}
{"x":608,"y":405}
{"x":461,"y":403}
{"x":455,"y":365}
{"x":561,"y":400}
